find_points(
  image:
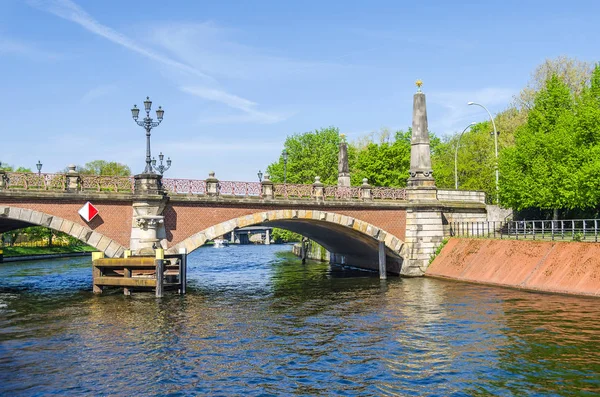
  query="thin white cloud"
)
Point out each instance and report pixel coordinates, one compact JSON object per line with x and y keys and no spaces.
{"x":253,"y":117}
{"x":243,"y":146}
{"x":215,"y":50}
{"x":230,"y":100}
{"x":98,"y":92}
{"x":70,"y":11}
{"x":250,"y":113}
{"x":29,"y":50}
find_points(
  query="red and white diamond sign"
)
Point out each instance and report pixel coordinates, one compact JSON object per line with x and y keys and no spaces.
{"x":88,"y":211}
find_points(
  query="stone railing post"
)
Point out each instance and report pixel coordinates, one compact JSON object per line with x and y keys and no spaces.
{"x":73,"y":180}
{"x":212,"y":184}
{"x":267,"y":190}
{"x":365,"y":190}
{"x":318,"y":189}
{"x":148,"y":184}
{"x":3,"y":180}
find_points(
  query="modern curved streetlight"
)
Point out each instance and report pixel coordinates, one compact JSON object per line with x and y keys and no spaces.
{"x":495,"y":143}
{"x":147,"y":123}
{"x":456,"y":155}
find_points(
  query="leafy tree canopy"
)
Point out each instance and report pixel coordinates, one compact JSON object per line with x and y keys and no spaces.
{"x":310,"y":154}
{"x":554,"y":163}
{"x":102,"y":167}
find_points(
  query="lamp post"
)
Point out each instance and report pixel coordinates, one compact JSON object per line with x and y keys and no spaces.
{"x":161,"y":168}
{"x":260,"y":175}
{"x":147,"y":123}
{"x":284,"y":154}
{"x":39,"y":167}
{"x":495,"y":144}
{"x":456,"y":155}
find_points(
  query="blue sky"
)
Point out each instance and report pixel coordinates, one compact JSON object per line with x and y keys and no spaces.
{"x":236,"y":77}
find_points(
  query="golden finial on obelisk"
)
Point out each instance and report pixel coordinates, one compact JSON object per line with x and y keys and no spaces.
{"x":343,"y":137}
{"x":419,"y":83}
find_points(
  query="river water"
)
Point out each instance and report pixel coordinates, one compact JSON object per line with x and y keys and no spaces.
{"x":256,"y":322}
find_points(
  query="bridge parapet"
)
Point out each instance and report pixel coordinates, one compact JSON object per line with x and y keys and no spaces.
{"x":118,"y":184}
{"x":60,"y":182}
{"x":461,"y":195}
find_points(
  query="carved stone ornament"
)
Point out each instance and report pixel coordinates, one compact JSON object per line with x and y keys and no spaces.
{"x":148,"y":222}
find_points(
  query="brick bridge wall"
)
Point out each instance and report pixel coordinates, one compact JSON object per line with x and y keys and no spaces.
{"x":182,"y":220}
{"x":113,"y":220}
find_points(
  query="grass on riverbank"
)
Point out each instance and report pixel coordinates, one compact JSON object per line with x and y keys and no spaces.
{"x":23,"y":251}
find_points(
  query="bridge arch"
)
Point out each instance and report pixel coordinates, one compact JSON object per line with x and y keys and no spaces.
{"x":354,"y":240}
{"x":12,"y":218}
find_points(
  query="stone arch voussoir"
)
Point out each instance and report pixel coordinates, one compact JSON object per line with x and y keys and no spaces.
{"x":111,"y":248}
{"x":393,"y":243}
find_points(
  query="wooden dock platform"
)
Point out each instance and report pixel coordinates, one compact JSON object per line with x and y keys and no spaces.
{"x":140,"y":272}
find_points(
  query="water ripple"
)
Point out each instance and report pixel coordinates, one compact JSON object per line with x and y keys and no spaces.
{"x":259,"y":323}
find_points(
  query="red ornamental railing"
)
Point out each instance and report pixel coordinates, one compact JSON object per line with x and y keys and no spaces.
{"x":228,"y":188}
{"x":101,"y":183}
{"x":184,"y":186}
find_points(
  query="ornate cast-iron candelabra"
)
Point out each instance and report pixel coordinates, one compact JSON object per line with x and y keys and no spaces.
{"x":161,"y":168}
{"x":147,"y":123}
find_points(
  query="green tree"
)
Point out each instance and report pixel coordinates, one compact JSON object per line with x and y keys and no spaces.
{"x":284,"y":236}
{"x":311,"y":154}
{"x":575,"y":74}
{"x":539,"y":170}
{"x":386,"y":163}
{"x":102,"y":167}
{"x":10,"y":168}
{"x":475,"y":160}
{"x":586,"y":130}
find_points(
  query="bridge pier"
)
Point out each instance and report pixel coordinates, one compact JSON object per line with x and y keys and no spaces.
{"x":424,"y":229}
{"x":148,"y":226}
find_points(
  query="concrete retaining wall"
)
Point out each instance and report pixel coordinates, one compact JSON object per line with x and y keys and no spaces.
{"x":563,"y":267}
{"x":315,"y":252}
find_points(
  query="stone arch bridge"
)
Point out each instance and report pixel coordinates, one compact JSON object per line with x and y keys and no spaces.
{"x":183,"y":214}
{"x":363,"y":226}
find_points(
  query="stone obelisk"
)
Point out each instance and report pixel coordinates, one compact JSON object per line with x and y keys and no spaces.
{"x":343,"y":170}
{"x":421,"y":173}
{"x":424,"y":229}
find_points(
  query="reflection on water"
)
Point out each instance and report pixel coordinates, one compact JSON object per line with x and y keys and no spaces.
{"x":258,"y":322}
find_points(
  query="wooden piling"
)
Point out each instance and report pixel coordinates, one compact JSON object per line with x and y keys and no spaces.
{"x":127,"y":273}
{"x":183,"y":270}
{"x":96,"y":273}
{"x":382,"y":264}
{"x":160,"y":271}
{"x":303,"y":251}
